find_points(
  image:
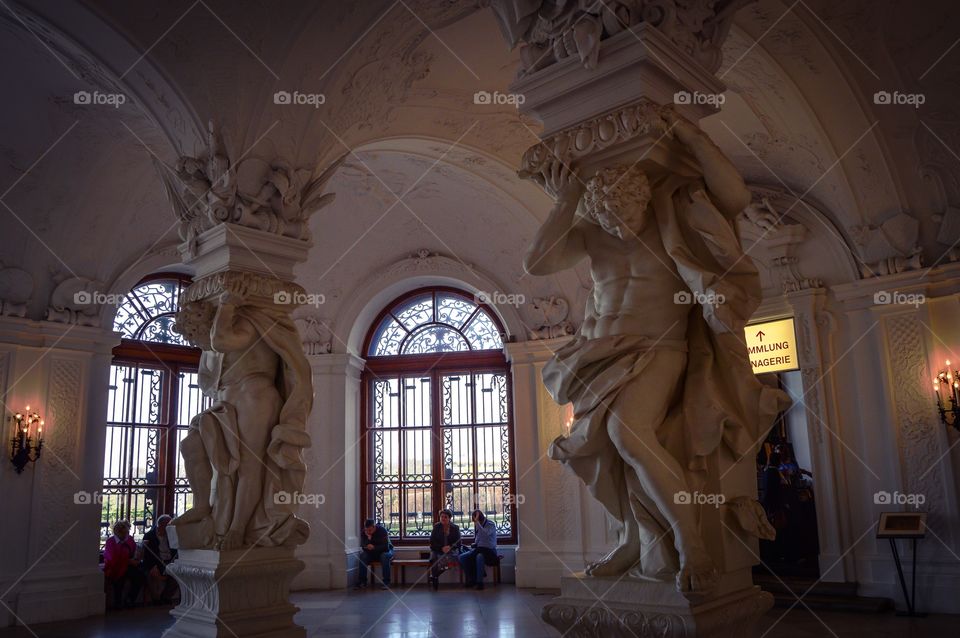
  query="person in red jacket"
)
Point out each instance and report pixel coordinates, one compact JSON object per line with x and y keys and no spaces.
{"x":120,"y":564}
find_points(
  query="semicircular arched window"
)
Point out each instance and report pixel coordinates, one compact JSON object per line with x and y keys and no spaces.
{"x":438,"y":424}
{"x":433,"y":322}
{"x":147,"y":312}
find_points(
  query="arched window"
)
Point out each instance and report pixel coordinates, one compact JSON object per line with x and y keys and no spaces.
{"x":148,"y":311}
{"x":153,"y":394}
{"x":437,"y":421}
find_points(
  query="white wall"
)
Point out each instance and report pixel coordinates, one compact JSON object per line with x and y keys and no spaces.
{"x":50,"y":542}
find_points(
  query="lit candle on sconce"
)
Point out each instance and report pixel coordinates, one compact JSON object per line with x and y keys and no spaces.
{"x":948,"y":406}
{"x":567,"y":418}
{"x":24,"y":448}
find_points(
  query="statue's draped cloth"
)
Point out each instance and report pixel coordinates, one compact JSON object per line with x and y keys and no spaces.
{"x":273,"y":523}
{"x":721,"y":401}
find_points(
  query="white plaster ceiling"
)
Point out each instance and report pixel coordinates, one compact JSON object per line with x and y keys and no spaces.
{"x":399,"y":92}
{"x":467,"y":206}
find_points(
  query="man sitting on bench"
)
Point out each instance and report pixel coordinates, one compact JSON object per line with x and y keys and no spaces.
{"x":483,"y":552}
{"x":375,"y":546}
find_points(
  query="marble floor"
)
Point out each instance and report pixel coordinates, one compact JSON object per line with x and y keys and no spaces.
{"x":496,"y":612}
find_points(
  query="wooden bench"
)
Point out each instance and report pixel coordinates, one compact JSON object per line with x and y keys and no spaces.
{"x":399,"y":568}
{"x":376,"y":571}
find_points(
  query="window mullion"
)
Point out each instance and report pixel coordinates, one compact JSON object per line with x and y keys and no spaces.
{"x":473,"y":433}
{"x":436,"y":421}
{"x":402,"y":447}
{"x":169,"y":473}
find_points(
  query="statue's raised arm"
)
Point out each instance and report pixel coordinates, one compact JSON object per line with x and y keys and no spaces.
{"x":723,"y":181}
{"x":558,"y":244}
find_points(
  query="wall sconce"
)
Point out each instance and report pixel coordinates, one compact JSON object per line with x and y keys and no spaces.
{"x":948,"y":381}
{"x":22,"y":448}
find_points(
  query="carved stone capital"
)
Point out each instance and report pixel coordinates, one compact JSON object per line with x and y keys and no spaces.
{"x":254,"y":287}
{"x":267,"y":194}
{"x":553,"y":31}
{"x":617,"y":136}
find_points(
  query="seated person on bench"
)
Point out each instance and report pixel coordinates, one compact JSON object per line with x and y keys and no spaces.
{"x":121,"y":565}
{"x":157,"y":554}
{"x":444,"y":543}
{"x":483,"y":552}
{"x":375,"y":546}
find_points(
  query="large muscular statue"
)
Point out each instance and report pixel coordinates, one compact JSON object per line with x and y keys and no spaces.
{"x":658,"y":374}
{"x":245,"y":449}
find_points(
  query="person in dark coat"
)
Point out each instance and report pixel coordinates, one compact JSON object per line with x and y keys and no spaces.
{"x":157,"y":554}
{"x":375,"y":546}
{"x":444,"y":542}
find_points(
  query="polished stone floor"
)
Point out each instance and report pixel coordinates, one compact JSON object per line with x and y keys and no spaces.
{"x":497,"y":611}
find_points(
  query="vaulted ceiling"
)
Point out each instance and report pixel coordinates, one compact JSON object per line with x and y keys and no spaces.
{"x":82,"y":198}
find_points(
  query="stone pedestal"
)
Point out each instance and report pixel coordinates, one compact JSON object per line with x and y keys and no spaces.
{"x":630,"y":608}
{"x":238,"y":593}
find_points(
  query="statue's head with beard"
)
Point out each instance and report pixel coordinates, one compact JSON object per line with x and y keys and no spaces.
{"x":617,"y":199}
{"x":194,"y":321}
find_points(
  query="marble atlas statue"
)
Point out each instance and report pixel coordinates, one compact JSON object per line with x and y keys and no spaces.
{"x":245,"y":449}
{"x":658,"y":373}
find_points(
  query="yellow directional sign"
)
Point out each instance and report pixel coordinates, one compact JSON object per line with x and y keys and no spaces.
{"x":772,"y":346}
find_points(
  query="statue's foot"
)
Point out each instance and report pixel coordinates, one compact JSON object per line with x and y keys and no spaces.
{"x":192,"y":515}
{"x":620,"y":560}
{"x":697,"y":572}
{"x":232,"y":540}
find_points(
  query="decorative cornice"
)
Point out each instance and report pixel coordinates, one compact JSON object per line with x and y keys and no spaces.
{"x":425,"y":261}
{"x":56,"y":335}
